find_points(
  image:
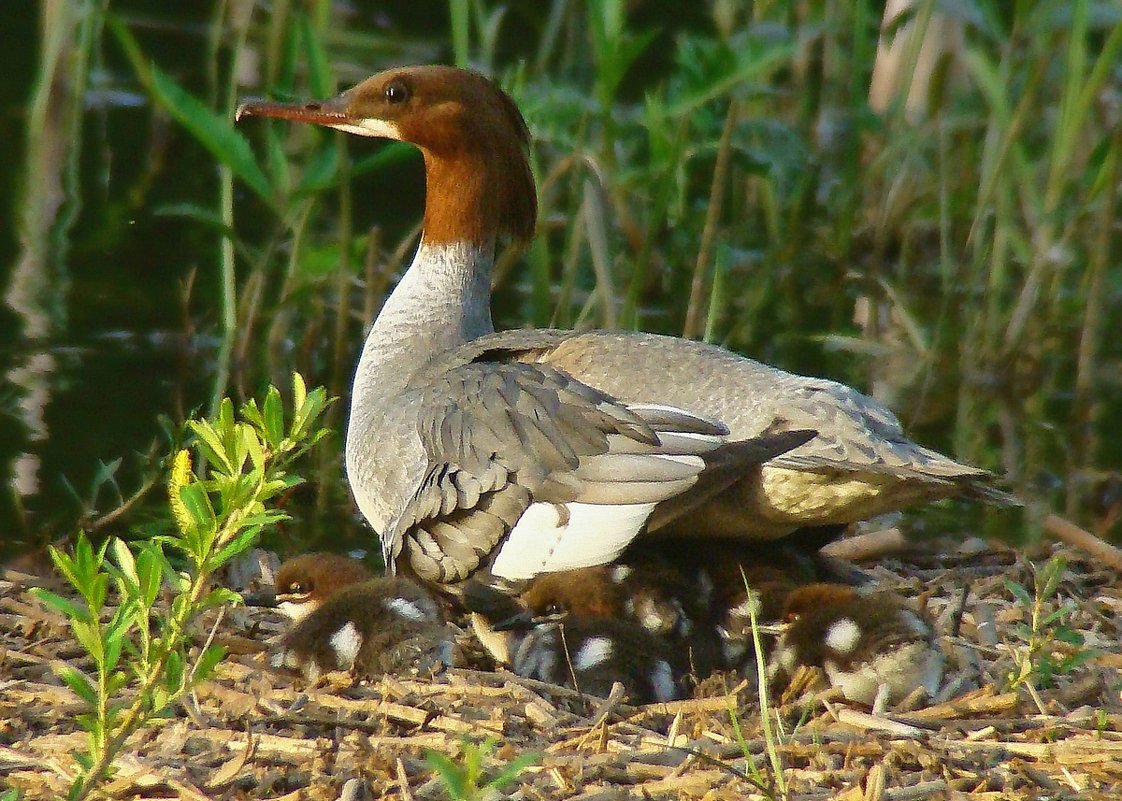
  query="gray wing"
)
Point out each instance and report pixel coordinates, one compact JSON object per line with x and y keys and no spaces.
{"x":502,"y":439}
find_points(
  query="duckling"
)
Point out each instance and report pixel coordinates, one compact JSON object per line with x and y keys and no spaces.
{"x":648,"y":591}
{"x":748,"y":589}
{"x":715,"y":578}
{"x":587,"y":651}
{"x":873,"y":646}
{"x":345,"y":619}
{"x":589,"y":654}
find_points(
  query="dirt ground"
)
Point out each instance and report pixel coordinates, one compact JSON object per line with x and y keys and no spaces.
{"x":253,"y":733}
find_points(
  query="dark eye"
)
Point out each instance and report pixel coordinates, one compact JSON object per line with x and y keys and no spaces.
{"x":396,"y":92}
{"x":555,"y":609}
{"x":296,"y":588}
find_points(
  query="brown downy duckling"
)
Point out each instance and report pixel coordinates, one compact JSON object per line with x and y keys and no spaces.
{"x":344,"y":619}
{"x":872,"y":646}
{"x":583,"y":651}
{"x":648,"y":592}
{"x":589,"y":654}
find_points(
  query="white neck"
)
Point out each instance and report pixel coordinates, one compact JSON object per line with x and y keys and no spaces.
{"x":442,"y":301}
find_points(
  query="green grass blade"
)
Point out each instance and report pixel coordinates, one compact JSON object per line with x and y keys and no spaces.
{"x":213,"y":131}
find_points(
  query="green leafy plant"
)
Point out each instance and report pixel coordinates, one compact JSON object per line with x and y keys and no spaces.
{"x":465,"y":780}
{"x":144,"y":643}
{"x":1049,"y":647}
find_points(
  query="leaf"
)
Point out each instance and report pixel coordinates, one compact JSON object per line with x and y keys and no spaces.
{"x":213,"y":131}
{"x":60,"y":604}
{"x":299,"y":391}
{"x":451,"y":774}
{"x":320,"y":79}
{"x":197,"y":504}
{"x":173,"y":674}
{"x":240,"y":544}
{"x":252,"y":413}
{"x":150,"y":567}
{"x":126,"y":564}
{"x":274,"y":417}
{"x":1070,"y":636}
{"x":89,"y":636}
{"x":1050,"y":576}
{"x":1019,"y":592}
{"x":510,"y":772}
{"x":207,"y":662}
{"x":79,"y":683}
{"x":278,"y":164}
{"x":210,"y":444}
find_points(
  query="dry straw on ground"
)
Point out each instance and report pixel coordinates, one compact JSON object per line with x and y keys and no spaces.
{"x":253,"y":733}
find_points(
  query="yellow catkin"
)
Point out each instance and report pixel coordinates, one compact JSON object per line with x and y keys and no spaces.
{"x":180,"y":476}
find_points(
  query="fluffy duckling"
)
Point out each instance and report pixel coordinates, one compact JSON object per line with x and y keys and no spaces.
{"x":649,"y":592}
{"x":873,"y":647}
{"x":741,"y":588}
{"x":712,"y":575}
{"x":587,"y":651}
{"x":590,"y":653}
{"x":345,"y":619}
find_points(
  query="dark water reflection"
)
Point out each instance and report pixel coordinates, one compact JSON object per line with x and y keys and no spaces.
{"x":95,"y":341}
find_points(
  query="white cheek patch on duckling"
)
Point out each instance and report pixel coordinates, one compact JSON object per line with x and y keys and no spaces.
{"x":663,"y":686}
{"x":843,"y":635}
{"x":650,"y":619}
{"x":346,"y":643}
{"x":294,"y":611}
{"x":783,"y":660}
{"x":620,"y":573}
{"x":595,"y":651}
{"x":405,"y":608}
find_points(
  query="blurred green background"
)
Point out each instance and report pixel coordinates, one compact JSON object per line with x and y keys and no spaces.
{"x":925,"y":205}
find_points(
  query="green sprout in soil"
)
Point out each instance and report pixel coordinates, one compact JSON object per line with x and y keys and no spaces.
{"x":464,"y":779}
{"x":1049,"y":646}
{"x":142,"y":649}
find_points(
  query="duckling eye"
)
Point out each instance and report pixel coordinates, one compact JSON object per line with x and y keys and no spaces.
{"x":555,"y":609}
{"x":396,"y":92}
{"x":296,"y":588}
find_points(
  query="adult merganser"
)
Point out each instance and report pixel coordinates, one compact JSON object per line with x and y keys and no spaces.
{"x":525,"y":451}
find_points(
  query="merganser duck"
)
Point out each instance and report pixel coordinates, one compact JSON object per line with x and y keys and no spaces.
{"x":590,"y":654}
{"x":524,"y":452}
{"x":726,"y":581}
{"x":587,"y":652}
{"x":647,"y":593}
{"x":345,"y":619}
{"x":873,"y":646}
